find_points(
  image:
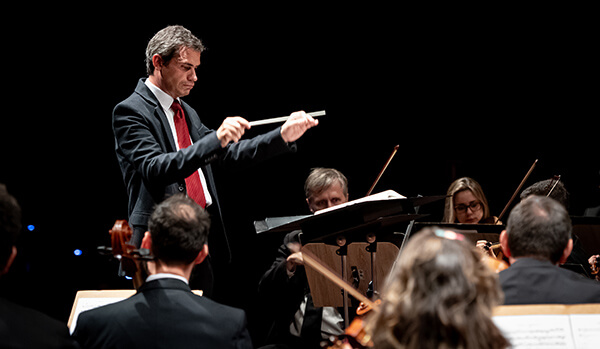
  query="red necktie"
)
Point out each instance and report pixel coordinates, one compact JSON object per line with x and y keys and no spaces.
{"x":193,"y":183}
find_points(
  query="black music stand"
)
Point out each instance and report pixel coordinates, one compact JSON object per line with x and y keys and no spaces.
{"x":330,"y":233}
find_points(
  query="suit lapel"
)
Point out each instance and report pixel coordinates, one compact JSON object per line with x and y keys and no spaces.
{"x":159,"y":113}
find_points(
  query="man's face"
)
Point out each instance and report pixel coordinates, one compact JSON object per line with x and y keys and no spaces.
{"x":332,"y":196}
{"x":179,"y":75}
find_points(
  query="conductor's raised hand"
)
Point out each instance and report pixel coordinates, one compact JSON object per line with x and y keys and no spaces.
{"x":296,"y":125}
{"x":232,"y":129}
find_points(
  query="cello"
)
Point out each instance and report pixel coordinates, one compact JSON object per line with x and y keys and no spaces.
{"x":133,"y":260}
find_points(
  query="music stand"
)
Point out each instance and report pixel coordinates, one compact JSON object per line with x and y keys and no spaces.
{"x":349,"y":238}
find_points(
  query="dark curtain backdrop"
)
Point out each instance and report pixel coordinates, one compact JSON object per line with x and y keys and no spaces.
{"x":464,"y":92}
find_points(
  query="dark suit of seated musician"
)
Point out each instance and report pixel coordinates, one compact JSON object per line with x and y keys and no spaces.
{"x":22,"y":327}
{"x":296,"y":322}
{"x":537,"y":238}
{"x":164,"y":312}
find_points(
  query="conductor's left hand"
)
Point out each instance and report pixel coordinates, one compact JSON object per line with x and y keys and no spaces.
{"x":296,"y":125}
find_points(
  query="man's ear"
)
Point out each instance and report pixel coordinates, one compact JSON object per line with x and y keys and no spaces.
{"x":566,"y":252}
{"x":504,"y":244}
{"x":201,"y":255}
{"x":308,"y":203}
{"x":147,"y":241}
{"x":9,"y":261}
{"x":157,"y":62}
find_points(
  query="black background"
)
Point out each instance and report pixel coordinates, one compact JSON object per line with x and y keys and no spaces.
{"x":479,"y":92}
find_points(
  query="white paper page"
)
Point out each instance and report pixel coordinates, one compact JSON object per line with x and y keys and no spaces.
{"x":385,"y":195}
{"x":586,"y":330}
{"x":536,"y":331}
{"x":90,"y":303}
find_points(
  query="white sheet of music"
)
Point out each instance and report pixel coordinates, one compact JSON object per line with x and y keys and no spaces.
{"x":572,"y":331}
{"x":383,"y":196}
{"x":84,"y":304}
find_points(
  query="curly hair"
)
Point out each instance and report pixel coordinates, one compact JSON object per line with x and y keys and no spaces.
{"x":440,"y":295}
{"x":542,"y":188}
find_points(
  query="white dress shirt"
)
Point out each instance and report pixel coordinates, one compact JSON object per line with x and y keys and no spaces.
{"x":166,"y":276}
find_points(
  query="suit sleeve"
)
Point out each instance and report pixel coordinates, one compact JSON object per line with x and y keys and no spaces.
{"x":257,"y":149}
{"x":275,"y":285}
{"x":242,"y":340}
{"x":137,"y":141}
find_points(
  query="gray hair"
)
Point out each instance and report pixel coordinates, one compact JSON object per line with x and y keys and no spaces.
{"x":320,"y":179}
{"x":167,"y":42}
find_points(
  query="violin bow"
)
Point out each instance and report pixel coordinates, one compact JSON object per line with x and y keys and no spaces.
{"x":516,"y":191}
{"x":556,"y":179}
{"x":383,"y":170}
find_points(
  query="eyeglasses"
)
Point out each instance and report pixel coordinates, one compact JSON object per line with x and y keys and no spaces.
{"x":474,"y":206}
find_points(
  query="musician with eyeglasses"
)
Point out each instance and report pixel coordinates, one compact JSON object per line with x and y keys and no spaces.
{"x":466,"y":203}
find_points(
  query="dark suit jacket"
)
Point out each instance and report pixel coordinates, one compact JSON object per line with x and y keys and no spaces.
{"x":163,"y":314}
{"x":530,"y":281}
{"x":285,"y":295}
{"x":22,"y":327}
{"x":152,"y":168}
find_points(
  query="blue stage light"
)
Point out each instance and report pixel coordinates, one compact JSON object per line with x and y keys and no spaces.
{"x":77,"y":252}
{"x":30,"y":227}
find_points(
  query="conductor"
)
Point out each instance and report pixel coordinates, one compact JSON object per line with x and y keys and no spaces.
{"x":163,"y":148}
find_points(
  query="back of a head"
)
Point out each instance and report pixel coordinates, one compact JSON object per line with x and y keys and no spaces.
{"x":556,"y":189}
{"x":179,"y":229}
{"x":440,"y":294}
{"x":10,"y":224}
{"x":538,"y":227}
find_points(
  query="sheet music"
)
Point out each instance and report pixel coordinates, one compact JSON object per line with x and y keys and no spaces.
{"x":385,"y":195}
{"x":536,"y":331}
{"x":84,"y":304}
{"x":573,"y":331}
{"x":586,"y":330}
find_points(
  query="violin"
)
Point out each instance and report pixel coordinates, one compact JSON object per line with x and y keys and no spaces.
{"x":494,"y":257}
{"x":595,"y":266}
{"x":133,"y":260}
{"x":495,"y":264}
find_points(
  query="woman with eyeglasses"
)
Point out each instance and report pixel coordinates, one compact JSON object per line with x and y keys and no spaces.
{"x":466,"y":203}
